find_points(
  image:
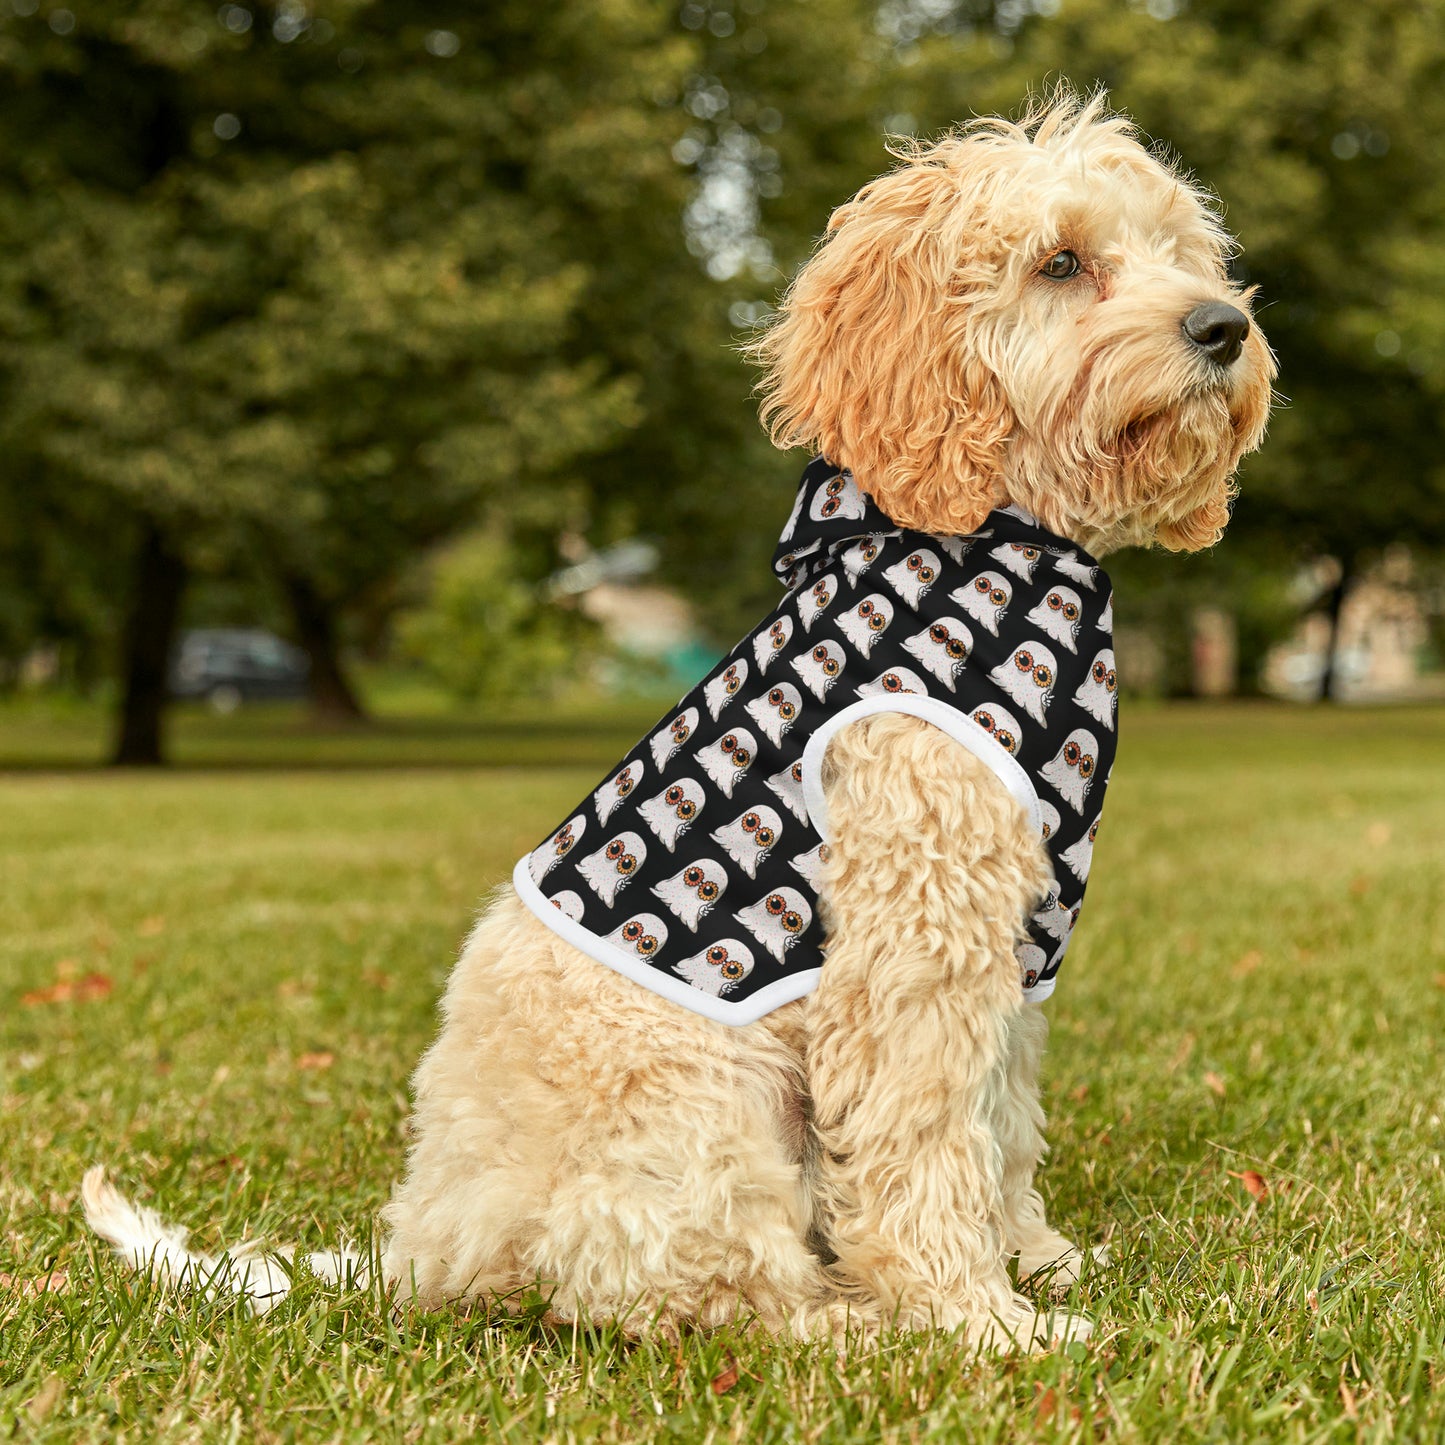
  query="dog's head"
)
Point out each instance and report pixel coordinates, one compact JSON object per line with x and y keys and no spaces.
{"x":1034,"y":312}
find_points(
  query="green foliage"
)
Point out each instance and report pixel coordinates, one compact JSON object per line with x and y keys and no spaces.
{"x":247,"y":919}
{"x":485,"y":634}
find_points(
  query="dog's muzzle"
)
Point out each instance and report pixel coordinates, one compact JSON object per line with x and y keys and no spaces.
{"x":1218,"y":330}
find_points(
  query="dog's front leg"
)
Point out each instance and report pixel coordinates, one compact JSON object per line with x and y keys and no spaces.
{"x":933,"y":866}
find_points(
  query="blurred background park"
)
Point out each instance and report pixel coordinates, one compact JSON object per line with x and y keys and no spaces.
{"x":382,"y":357}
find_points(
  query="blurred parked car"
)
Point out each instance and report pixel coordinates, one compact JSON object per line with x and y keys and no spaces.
{"x":230,"y":665}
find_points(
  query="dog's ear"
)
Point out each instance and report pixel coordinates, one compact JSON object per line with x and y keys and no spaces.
{"x":872,"y":359}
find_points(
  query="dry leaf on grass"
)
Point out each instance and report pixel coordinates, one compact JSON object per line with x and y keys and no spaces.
{"x":1254,"y":1182}
{"x":321,"y":1059}
{"x":1214,"y":1083}
{"x":56,"y":1282}
{"x":724,"y":1381}
{"x":67,"y":990}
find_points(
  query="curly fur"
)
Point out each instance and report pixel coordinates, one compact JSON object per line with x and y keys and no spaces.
{"x":867,"y":1155}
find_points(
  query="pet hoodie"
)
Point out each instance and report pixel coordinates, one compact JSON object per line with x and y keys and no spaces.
{"x":693,"y":867}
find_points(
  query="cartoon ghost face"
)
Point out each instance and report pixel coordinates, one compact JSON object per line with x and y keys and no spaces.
{"x":767,"y":645}
{"x":725,"y":686}
{"x":840,"y":498}
{"x":820,"y":668}
{"x":1031,"y":961}
{"x":1058,"y":615}
{"x":1000,"y":724}
{"x":1098,"y":693}
{"x":616,"y":788}
{"x":1050,"y":819}
{"x":1080,"y":856}
{"x":867,"y":622}
{"x":1071,"y":770}
{"x":672,"y":812}
{"x":691,"y":892}
{"x":750,"y":837}
{"x":815,"y":601}
{"x":810,"y":864}
{"x":568,"y":904}
{"x":858,"y":558}
{"x":1056,"y":918}
{"x":726,"y":760}
{"x":779,"y":921}
{"x":667,"y":740}
{"x":985,"y":599}
{"x":546,"y":856}
{"x":776,"y":711}
{"x":1018,"y":558}
{"x":914,"y":575}
{"x":788,"y":785}
{"x":643,"y":934}
{"x":717,"y":970}
{"x":614,"y":865}
{"x":1028,"y":678}
{"x":942,"y":648}
{"x":893,"y":682}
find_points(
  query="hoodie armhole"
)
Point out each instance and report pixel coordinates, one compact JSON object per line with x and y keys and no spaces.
{"x":958,"y":725}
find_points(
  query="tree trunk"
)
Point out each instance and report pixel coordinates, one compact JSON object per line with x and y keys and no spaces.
{"x":150,"y":629}
{"x":333,"y":699}
{"x":1334,"y":606}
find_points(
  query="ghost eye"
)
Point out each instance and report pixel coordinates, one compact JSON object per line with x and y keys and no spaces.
{"x":1043,"y":676}
{"x":980,"y":584}
{"x":892,"y":682}
{"x":1071,"y":613}
{"x":820,"y":590}
{"x":1024,"y":660}
{"x":732,"y":968}
{"x":820,"y":654}
{"x":956,"y":649}
{"x":829,"y":507}
{"x":876,"y":622}
{"x":925,"y":575}
{"x":647,"y":944}
{"x":997,"y":597}
{"x":1031,"y":553}
{"x":615,"y":849}
{"x":984,"y":719}
{"x":707,"y":892}
{"x":1055,"y":601}
{"x":692,"y":877}
{"x":687,"y":810}
{"x":1086,"y":766}
{"x":775,"y":697}
{"x":764,"y":837}
{"x":830,"y":667}
{"x":626,"y":863}
{"x":1071,"y":754}
{"x":914,"y":562}
{"x":1007,"y":740}
{"x":751,"y":822}
{"x":729,"y":743}
{"x":776,"y":904}
{"x":869,"y":552}
{"x":624,"y":784}
{"x":632,"y":931}
{"x":1093,"y":831}
{"x":1100,"y":671}
{"x":1031,"y":978}
{"x":741,"y":758}
{"x":732,"y":684}
{"x":1048,"y":831}
{"x":1111,"y":682}
{"x":787,"y":712}
{"x":865,"y":609}
{"x":673,"y":795}
{"x":797,"y":772}
{"x":792,"y":922}
{"x":1061,"y":266}
{"x":717,"y":954}
{"x":938,"y":633}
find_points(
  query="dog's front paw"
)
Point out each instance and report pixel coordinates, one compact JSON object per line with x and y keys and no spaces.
{"x":1023,"y":1326}
{"x":1057,"y":1264}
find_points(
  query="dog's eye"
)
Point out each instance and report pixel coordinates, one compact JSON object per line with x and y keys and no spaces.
{"x":1061,"y":266}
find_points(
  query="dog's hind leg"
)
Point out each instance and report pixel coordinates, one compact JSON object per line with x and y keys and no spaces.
{"x":1018,"y":1124}
{"x":933,"y":867}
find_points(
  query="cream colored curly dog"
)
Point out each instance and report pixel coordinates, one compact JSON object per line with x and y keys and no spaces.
{"x":1034,"y":315}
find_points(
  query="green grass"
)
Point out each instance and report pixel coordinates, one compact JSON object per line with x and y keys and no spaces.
{"x":1257,"y":985}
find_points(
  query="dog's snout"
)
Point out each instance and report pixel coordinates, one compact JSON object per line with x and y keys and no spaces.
{"x":1218,"y":330}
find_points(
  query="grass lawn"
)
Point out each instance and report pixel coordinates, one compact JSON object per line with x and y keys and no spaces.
{"x":217,"y":980}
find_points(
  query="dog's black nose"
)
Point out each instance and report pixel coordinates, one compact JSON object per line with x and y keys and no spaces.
{"x":1217,"y":330}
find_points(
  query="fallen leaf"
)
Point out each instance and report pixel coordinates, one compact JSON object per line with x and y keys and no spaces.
{"x":56,"y":1282}
{"x":1247,"y":964}
{"x":1046,"y":1408}
{"x":1214,"y":1083}
{"x":724,"y":1382}
{"x":151,"y":927}
{"x":1254,"y":1182}
{"x":321,"y":1059}
{"x":81,"y":990}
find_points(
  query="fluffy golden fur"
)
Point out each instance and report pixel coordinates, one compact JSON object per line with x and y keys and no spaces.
{"x":864,"y":1156}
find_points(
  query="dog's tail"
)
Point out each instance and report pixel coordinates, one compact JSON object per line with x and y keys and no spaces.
{"x":147,"y":1243}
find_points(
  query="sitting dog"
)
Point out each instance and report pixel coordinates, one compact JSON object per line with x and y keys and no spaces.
{"x":755,"y":1032}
